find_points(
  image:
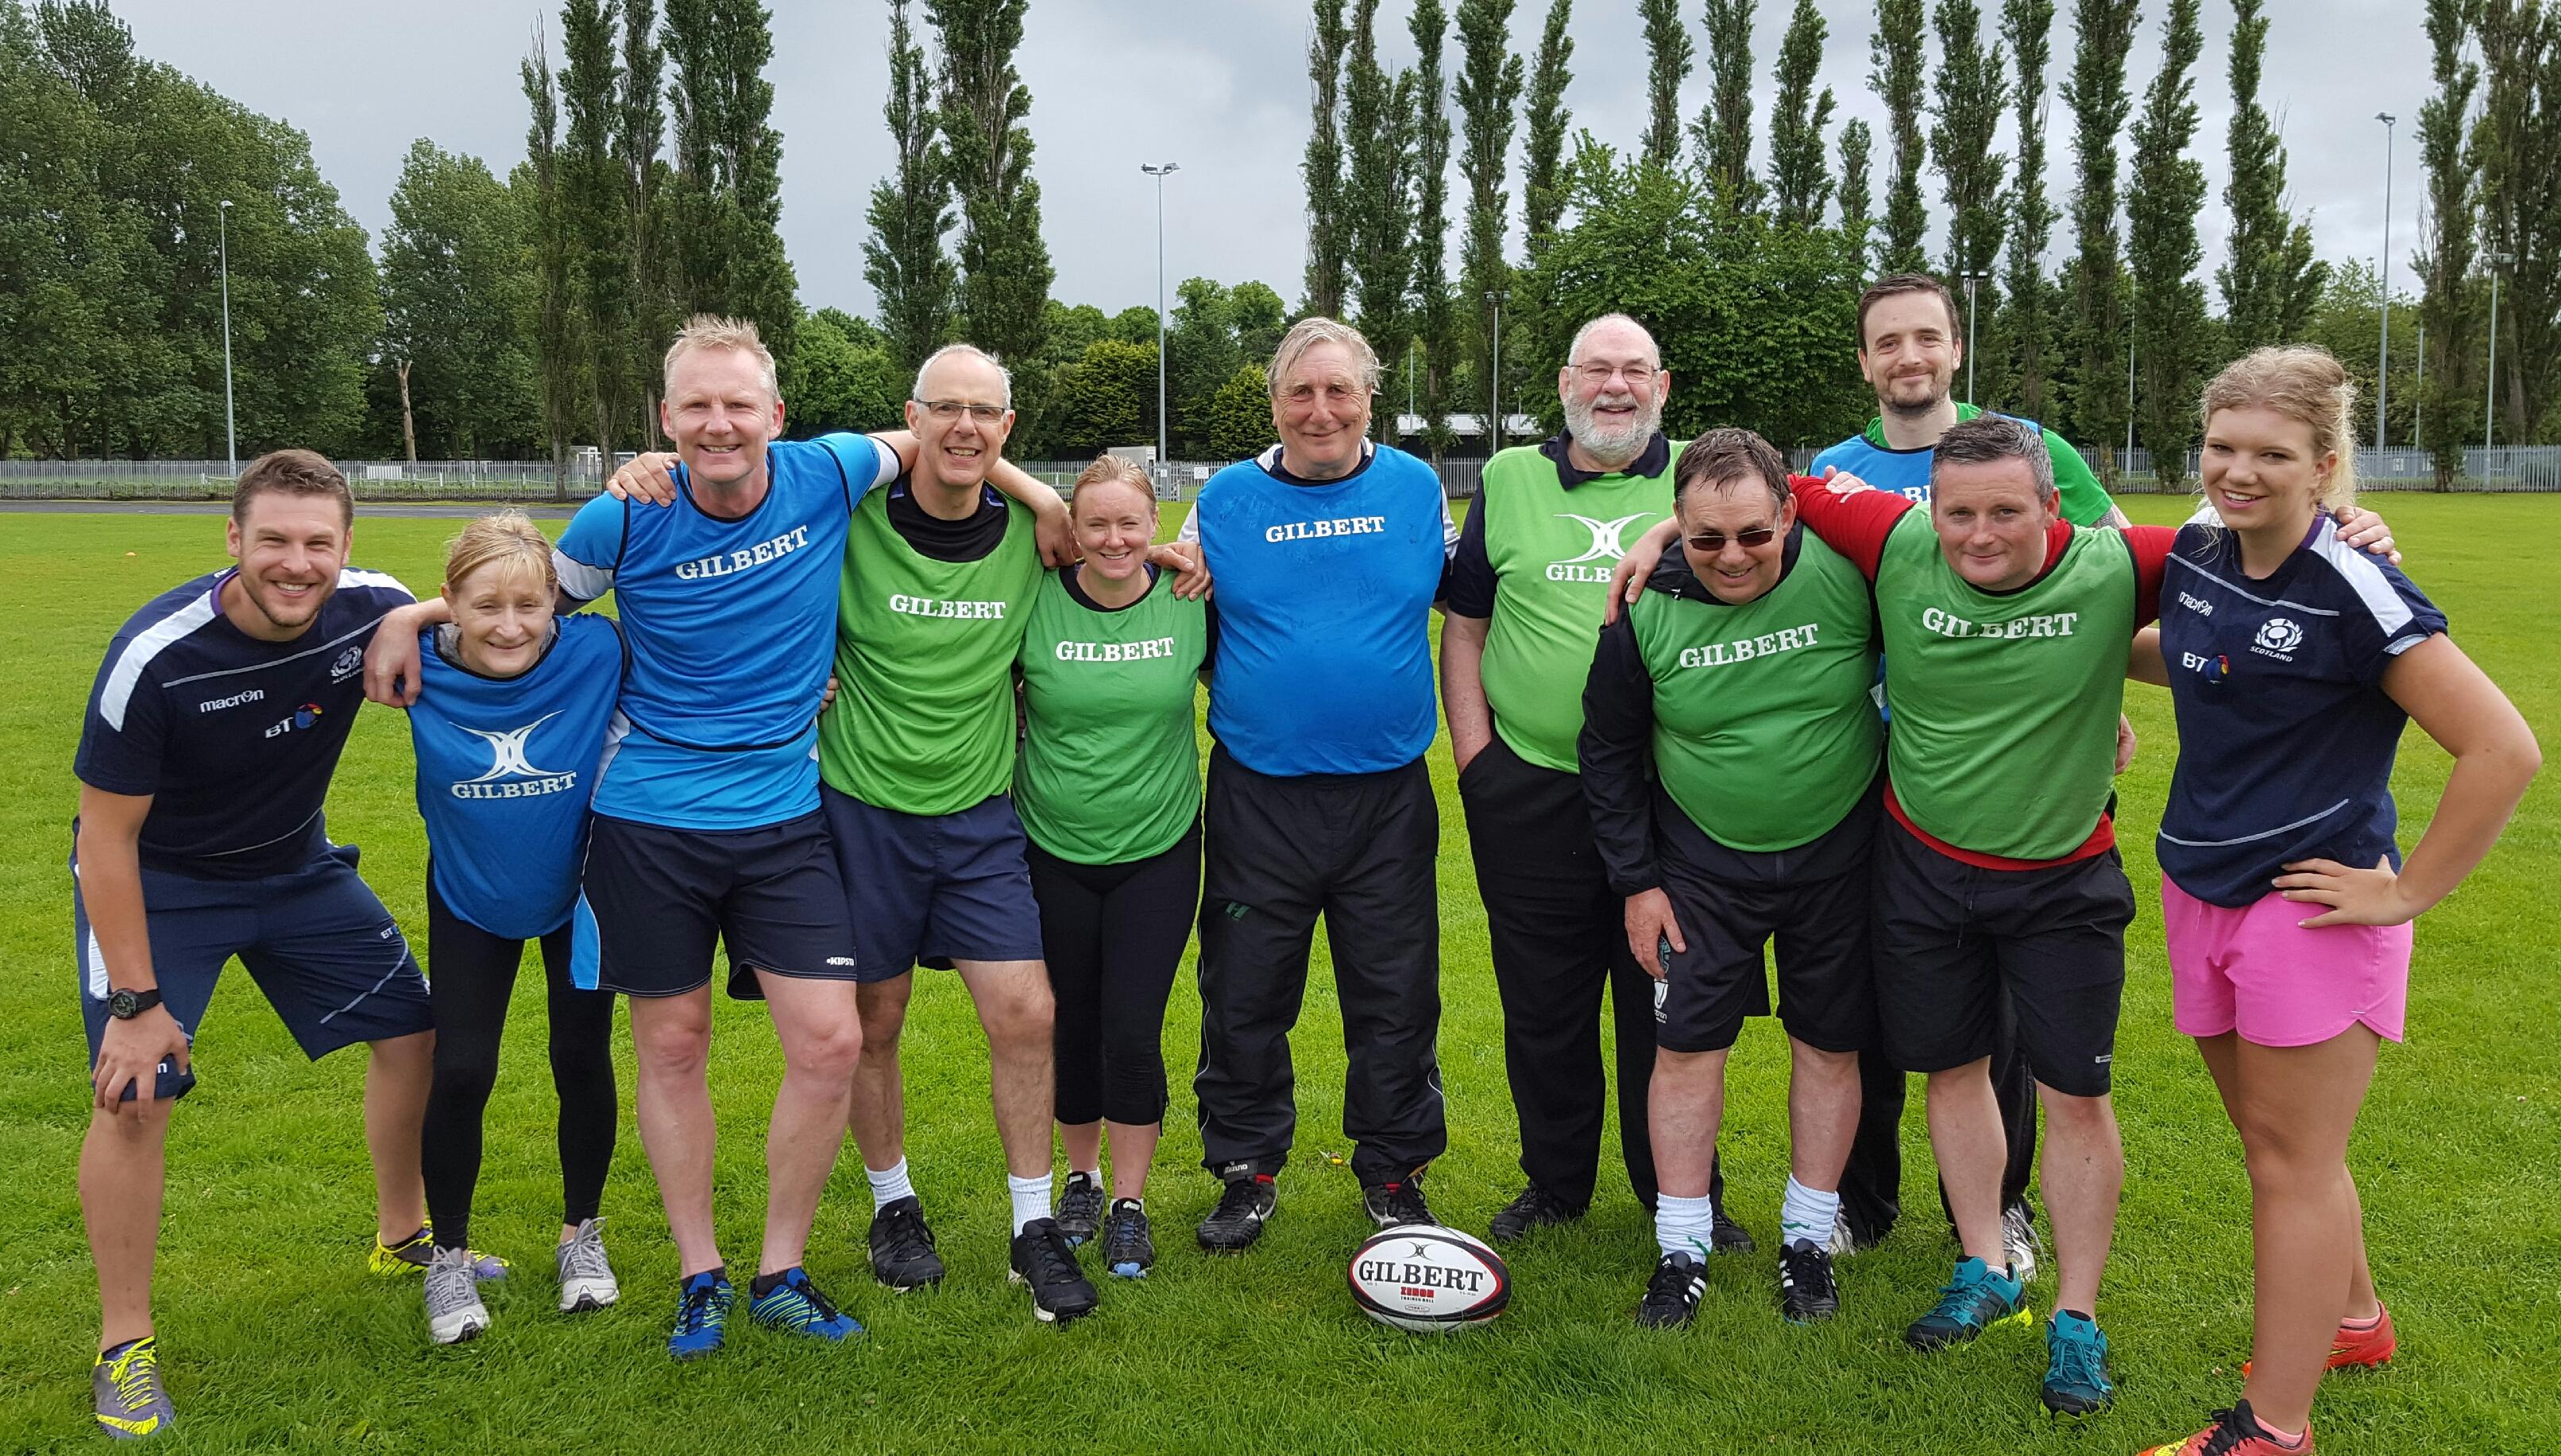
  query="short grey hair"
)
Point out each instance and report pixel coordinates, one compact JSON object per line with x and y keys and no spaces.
{"x":1306,"y":334}
{"x":1004,"y":376}
{"x":1988,"y":439}
{"x":1574,"y":351}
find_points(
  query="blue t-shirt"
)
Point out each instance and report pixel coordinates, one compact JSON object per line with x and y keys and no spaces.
{"x":232,"y":738}
{"x":732,"y":629}
{"x":505,"y":766}
{"x":2285,"y":737}
{"x":1324,"y":611}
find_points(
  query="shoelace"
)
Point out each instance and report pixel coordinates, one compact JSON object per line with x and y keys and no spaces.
{"x":699,"y":1311}
{"x":908,"y":1232}
{"x":2078,"y":1362}
{"x":1805,"y":1269}
{"x":1053,"y":1263}
{"x":2224,"y":1436}
{"x":1121,"y":1235}
{"x":1670,"y":1283}
{"x":1404,"y":1204}
{"x":136,"y":1376}
{"x":1960,"y":1296}
{"x":1239,"y":1199}
{"x":450,"y":1283}
{"x":584,"y":1258}
{"x":817,"y":1310}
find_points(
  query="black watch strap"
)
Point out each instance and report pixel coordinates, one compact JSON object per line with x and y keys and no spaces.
{"x":125,"y":1006}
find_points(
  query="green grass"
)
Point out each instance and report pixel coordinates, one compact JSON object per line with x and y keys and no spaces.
{"x":275,"y":1338}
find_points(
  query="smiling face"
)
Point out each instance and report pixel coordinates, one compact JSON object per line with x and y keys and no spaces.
{"x":1614,"y":391}
{"x":290,"y":547}
{"x":1116,"y":522}
{"x":721,"y":413}
{"x":960,"y":418}
{"x":2260,"y":469}
{"x":1714,"y":517}
{"x":502,"y":611}
{"x":1321,"y":409}
{"x":1990,"y":522}
{"x":1910,"y":352}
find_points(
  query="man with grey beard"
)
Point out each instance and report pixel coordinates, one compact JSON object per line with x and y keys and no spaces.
{"x":1523,"y":609}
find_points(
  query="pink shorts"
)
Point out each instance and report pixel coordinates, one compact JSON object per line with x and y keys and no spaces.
{"x":2258,"y":972}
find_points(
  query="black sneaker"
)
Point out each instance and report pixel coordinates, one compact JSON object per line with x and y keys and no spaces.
{"x":1728,"y":1237}
{"x":1237,"y":1222}
{"x":903,"y":1256}
{"x":1806,"y":1290}
{"x":1080,"y":1208}
{"x":1392,"y":1204}
{"x":1128,"y":1247}
{"x":1534,"y":1207}
{"x":1042,"y":1259}
{"x":1673,"y":1295}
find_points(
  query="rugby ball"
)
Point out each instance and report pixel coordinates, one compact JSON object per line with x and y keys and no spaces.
{"x":1429,"y":1279}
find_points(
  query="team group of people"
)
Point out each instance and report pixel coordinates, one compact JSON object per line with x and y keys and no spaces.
{"x":875,"y":703}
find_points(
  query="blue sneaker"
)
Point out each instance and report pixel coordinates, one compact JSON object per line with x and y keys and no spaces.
{"x":2075,"y":1367}
{"x":1974,"y":1300}
{"x":795,"y":1307}
{"x":702,"y":1315}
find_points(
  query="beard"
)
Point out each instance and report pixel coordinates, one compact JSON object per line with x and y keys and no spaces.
{"x":1616,"y":444}
{"x":1935,"y":392}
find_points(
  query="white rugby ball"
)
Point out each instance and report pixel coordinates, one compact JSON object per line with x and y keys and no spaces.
{"x":1429,"y":1279}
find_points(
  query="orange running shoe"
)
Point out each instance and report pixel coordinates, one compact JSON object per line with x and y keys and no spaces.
{"x":2234,"y":1433}
{"x":2358,"y":1346}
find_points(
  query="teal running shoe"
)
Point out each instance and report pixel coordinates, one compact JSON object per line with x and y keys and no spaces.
{"x":1974,"y":1300}
{"x":2075,"y":1367}
{"x":130,"y":1402}
{"x":702,"y":1315}
{"x":795,"y":1307}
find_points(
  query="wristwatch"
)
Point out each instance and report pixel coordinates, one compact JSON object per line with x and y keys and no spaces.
{"x":124,"y":1005}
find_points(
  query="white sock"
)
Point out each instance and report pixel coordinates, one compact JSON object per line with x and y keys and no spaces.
{"x":1807,"y":1214}
{"x":888,"y":1185}
{"x":1031,"y":1199}
{"x":1685,"y":1225}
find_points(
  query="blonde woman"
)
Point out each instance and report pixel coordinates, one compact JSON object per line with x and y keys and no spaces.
{"x":2294,"y":662}
{"x":509,"y":727}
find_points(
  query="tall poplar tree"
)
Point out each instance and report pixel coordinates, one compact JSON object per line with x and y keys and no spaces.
{"x":2519,"y":134}
{"x":1005,"y":270}
{"x":1542,"y":161}
{"x":2095,"y":92}
{"x":1667,"y":61}
{"x":593,"y":187}
{"x":642,"y":116}
{"x":2022,"y":359}
{"x":1895,"y":72}
{"x":1800,"y":182}
{"x":728,"y":188}
{"x":2165,"y":193}
{"x":1327,"y":247}
{"x":904,"y":259}
{"x":555,"y":346}
{"x":2256,"y":278}
{"x":1722,"y":136}
{"x":1972,"y":89}
{"x":1857,"y":144}
{"x":1378,"y":121}
{"x":1438,"y":326}
{"x":1489,"y":85}
{"x":2445,"y":251}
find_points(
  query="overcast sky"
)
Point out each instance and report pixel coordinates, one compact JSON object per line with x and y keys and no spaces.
{"x":1219,"y":88}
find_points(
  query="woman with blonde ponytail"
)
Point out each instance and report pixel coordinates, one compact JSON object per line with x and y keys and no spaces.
{"x":2293,"y":661}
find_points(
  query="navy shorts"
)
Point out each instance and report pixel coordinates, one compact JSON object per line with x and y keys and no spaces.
{"x":1827,"y":980}
{"x":932,"y":889}
{"x":664,"y":897}
{"x":316,"y":940}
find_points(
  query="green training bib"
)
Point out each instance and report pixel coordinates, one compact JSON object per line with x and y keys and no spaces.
{"x":1110,"y":766}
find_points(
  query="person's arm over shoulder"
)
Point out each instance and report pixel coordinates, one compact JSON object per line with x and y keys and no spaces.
{"x":869,"y":461}
{"x":591,"y":551}
{"x":2151,"y":545}
{"x":1854,"y":525}
{"x":1618,"y":727}
{"x":2080,"y":498}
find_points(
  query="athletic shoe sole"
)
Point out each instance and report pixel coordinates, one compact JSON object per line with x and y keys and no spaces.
{"x":456,"y":1328}
{"x":586,"y":1297}
{"x":1044,"y":1315}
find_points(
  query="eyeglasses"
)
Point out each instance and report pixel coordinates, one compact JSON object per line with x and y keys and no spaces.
{"x":1712,"y":542}
{"x":948,"y":410}
{"x":1637,"y":376}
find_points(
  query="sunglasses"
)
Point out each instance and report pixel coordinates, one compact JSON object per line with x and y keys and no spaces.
{"x":1712,"y":542}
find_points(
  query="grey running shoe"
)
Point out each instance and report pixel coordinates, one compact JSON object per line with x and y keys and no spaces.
{"x":903,"y":1256}
{"x":1080,"y":1208}
{"x":586,"y":1280}
{"x":130,"y":1402}
{"x":454,"y":1309}
{"x":1129,"y":1245}
{"x":2020,"y":1242}
{"x":1843,"y":1243}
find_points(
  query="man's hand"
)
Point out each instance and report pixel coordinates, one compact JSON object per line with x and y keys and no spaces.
{"x":2354,"y":897}
{"x":827,"y":697}
{"x":2361,"y":527}
{"x":129,"y":1055}
{"x":1650,"y":923}
{"x":392,"y":676}
{"x":649,"y":477}
{"x":1191,"y":577}
{"x":1628,"y":578}
{"x":1842,"y":483}
{"x":1055,"y":532}
{"x":2126,"y":742}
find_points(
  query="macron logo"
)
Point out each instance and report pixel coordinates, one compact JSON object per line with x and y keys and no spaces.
{"x":217,"y":704}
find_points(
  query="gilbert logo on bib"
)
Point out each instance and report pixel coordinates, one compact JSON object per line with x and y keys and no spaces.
{"x":1607,"y":546}
{"x":2278,"y":637}
{"x":511,"y":774}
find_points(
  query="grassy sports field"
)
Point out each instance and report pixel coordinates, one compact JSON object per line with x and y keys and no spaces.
{"x":273,"y":1335}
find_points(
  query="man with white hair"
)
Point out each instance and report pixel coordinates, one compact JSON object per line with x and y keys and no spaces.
{"x":1329,"y":551}
{"x":1525,"y":596}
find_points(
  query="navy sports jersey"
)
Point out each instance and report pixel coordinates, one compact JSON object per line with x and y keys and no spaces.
{"x":2285,"y":737}
{"x":232,"y":738}
{"x":1324,"y":611}
{"x":505,"y":767}
{"x":732,"y":629}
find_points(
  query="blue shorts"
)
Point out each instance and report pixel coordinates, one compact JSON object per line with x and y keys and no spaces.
{"x":929,"y":890}
{"x":663,"y":898}
{"x":316,"y":940}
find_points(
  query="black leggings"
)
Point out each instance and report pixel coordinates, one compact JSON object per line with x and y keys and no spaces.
{"x":474,"y":975}
{"x":1113,"y":937}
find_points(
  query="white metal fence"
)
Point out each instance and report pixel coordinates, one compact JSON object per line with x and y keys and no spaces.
{"x":2505,"y":468}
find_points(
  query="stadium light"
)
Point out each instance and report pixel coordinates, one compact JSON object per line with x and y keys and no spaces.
{"x":2495,"y":260}
{"x":2383,"y":350}
{"x":1160,"y":173}
{"x":231,"y":426}
{"x":1971,"y":277}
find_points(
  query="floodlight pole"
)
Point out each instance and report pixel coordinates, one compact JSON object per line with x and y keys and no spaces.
{"x":1971,"y":277}
{"x":2490,"y":390}
{"x":1494,"y":381}
{"x":1160,"y":173}
{"x":231,"y":424}
{"x":2383,"y":350}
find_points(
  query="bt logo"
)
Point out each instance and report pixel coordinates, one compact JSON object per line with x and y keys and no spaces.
{"x":303,"y":718}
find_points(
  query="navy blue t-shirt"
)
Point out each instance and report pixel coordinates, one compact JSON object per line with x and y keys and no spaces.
{"x":232,"y":738}
{"x":2285,"y":737}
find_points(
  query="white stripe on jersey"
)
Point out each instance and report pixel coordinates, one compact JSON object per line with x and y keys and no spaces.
{"x":146,"y":645}
{"x":579,"y":581}
{"x":2244,"y":592}
{"x":358,"y":577}
{"x":2391,"y":613}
